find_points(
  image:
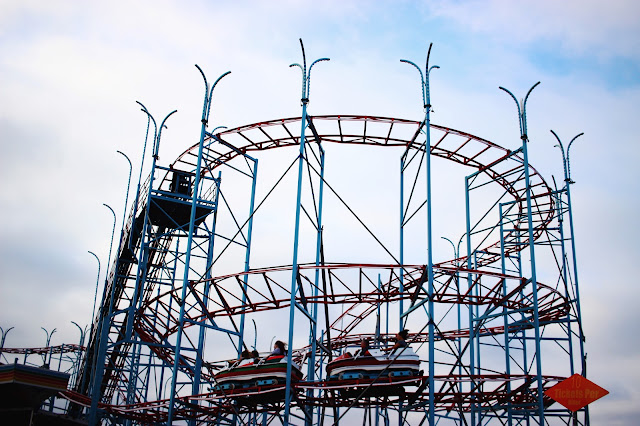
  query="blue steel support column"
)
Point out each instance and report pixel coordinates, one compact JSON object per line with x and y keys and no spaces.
{"x":522,"y":116}
{"x":459,"y":341}
{"x":162,"y":389}
{"x":206,"y":109}
{"x":426,"y":97}
{"x":306,"y":77}
{"x":248,"y":251}
{"x":459,"y":313}
{"x":568,"y":182}
{"x":195,"y":388}
{"x":523,"y":333}
{"x":314,"y":327}
{"x":507,"y":355}
{"x":458,"y":288}
{"x":470,"y":295}
{"x":477,"y":293}
{"x":401,"y":271}
{"x":563,"y":273}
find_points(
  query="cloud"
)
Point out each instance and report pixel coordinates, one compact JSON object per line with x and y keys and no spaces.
{"x":575,"y":27}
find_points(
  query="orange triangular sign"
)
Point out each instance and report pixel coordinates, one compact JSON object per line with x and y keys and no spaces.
{"x":575,"y":392}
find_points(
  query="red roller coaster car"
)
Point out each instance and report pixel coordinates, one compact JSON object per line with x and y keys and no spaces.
{"x":374,"y":364}
{"x":247,"y":373}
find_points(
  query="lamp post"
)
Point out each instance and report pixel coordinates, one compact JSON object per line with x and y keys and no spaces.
{"x":83,"y":333}
{"x":113,"y":230}
{"x":93,"y":313}
{"x":206,"y":110}
{"x":568,"y":182}
{"x":144,"y":150}
{"x":126,"y":199}
{"x":48,"y":342}
{"x":104,"y":315}
{"x":106,"y":275}
{"x":456,"y":256}
{"x":46,"y":364}
{"x":522,"y":118}
{"x":426,"y":99}
{"x":304,"y":100}
{"x":4,"y":336}
{"x":95,"y":296}
{"x":100,"y":346}
{"x":99,"y":325}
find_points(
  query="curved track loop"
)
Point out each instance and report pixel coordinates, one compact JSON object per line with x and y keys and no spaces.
{"x":267,"y":289}
{"x":499,"y":164}
{"x":495,"y":163}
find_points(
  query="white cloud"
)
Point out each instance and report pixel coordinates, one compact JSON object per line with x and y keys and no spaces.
{"x":577,"y":26}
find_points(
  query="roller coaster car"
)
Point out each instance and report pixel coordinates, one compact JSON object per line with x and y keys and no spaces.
{"x":253,"y":373}
{"x":375,"y":364}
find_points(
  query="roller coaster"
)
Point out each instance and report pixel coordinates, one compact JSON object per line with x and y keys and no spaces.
{"x":209,"y":257}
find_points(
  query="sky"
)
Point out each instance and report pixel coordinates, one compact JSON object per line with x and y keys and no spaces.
{"x":70,"y":73}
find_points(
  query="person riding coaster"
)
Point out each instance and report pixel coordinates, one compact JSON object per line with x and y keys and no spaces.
{"x":370,"y":363}
{"x":251,"y":370}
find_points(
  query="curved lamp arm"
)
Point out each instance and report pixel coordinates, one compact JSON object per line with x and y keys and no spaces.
{"x":306,"y":76}
{"x":517,"y":105}
{"x":211,"y":92}
{"x":524,"y":108}
{"x":157,"y":144}
{"x":95,"y":296}
{"x":309,"y":76}
{"x":82,"y":332}
{"x":424,"y":95}
{"x":208,"y":94}
{"x":564,"y":158}
{"x":568,"y":153}
{"x":455,"y":253}
{"x":3,"y":334}
{"x":565,"y":155}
